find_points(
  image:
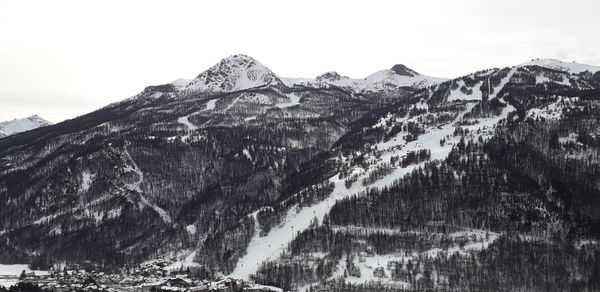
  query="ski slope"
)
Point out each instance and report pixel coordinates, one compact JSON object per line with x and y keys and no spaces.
{"x":271,"y":246}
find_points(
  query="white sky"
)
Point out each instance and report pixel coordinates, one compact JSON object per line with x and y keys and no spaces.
{"x":61,"y":59}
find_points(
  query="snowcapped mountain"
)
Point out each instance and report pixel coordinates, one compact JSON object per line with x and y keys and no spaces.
{"x":380,"y":81}
{"x":240,"y":72}
{"x":393,"y":181}
{"x":234,"y":73}
{"x":21,"y":125}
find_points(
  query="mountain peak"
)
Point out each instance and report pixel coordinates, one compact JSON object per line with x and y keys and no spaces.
{"x":402,"y":70}
{"x":238,"y":61}
{"x":331,"y":76}
{"x":21,"y":125}
{"x":554,"y":64}
{"x":236,"y":72}
{"x":38,"y":119}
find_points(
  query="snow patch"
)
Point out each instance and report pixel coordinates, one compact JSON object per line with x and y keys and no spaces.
{"x":9,"y":274}
{"x":294,"y":100}
{"x":191,"y":229}
{"x":184,"y":259}
{"x":185,"y":121}
{"x":247,"y":154}
{"x":87,"y":179}
{"x":210,"y":105}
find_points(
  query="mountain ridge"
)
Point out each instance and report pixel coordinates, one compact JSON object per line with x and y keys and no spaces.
{"x":239,"y":72}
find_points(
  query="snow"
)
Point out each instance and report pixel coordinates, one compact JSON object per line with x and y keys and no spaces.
{"x":180,"y":83}
{"x":571,"y":138}
{"x":229,"y":106}
{"x":573,"y":68}
{"x":21,"y":125}
{"x":9,"y":274}
{"x":482,"y":240}
{"x":57,"y":230}
{"x":8,"y":281}
{"x":258,"y":99}
{"x":456,"y":94}
{"x":240,"y":72}
{"x":136,"y":187}
{"x":86,"y":181}
{"x":378,"y":81}
{"x":271,"y":246}
{"x":234,"y":73}
{"x":156,"y":95}
{"x":265,"y":287}
{"x":191,"y":229}
{"x":185,"y":121}
{"x":553,"y":110}
{"x":503,"y":83}
{"x":294,"y":100}
{"x":247,"y":154}
{"x":367,"y":263}
{"x":13,"y":270}
{"x":384,"y":78}
{"x":583,"y":242}
{"x":291,"y":81}
{"x":210,"y":105}
{"x":184,"y":260}
{"x":98,"y":216}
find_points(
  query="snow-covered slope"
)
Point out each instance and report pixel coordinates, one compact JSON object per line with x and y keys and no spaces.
{"x":271,"y":246}
{"x":573,"y":68}
{"x":21,"y":125}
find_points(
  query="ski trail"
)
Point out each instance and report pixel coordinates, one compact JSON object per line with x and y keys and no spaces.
{"x":209,"y":105}
{"x":503,"y":83}
{"x":271,"y":246}
{"x":184,"y":120}
{"x":136,"y":187}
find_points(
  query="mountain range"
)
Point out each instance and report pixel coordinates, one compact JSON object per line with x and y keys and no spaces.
{"x":394,"y":181}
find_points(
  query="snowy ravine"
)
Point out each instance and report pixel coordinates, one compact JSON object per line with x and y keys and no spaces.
{"x":272,"y":245}
{"x":136,"y":187}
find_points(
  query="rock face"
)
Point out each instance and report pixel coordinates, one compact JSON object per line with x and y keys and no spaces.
{"x":253,"y":175}
{"x":402,"y":70}
{"x":21,"y":125}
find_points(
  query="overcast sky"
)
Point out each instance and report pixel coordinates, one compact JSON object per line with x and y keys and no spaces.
{"x":61,"y":59}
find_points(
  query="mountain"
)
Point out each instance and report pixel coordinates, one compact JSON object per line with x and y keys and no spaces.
{"x":21,"y":125}
{"x":394,"y":181}
{"x":381,"y":81}
{"x":237,"y":72}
